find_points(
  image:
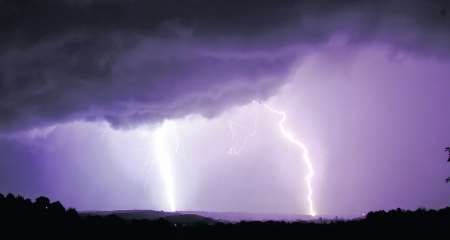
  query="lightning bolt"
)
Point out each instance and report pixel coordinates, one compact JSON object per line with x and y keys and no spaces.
{"x":164,"y":158}
{"x":305,"y":155}
{"x":162,"y":152}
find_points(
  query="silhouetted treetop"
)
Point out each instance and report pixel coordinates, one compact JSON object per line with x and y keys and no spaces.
{"x":447,"y":149}
{"x":42,"y":202}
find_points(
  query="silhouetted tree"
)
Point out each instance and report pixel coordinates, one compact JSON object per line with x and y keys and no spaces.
{"x":72,"y":212}
{"x":42,"y":202}
{"x":56,"y":208}
{"x":448,"y":160}
{"x":10,"y":197}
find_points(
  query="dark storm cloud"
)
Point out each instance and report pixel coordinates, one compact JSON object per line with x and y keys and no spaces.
{"x":134,"y":61}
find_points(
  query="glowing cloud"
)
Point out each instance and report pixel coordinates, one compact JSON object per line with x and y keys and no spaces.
{"x":245,"y":132}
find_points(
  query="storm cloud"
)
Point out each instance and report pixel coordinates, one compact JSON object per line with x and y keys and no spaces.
{"x":128,"y":62}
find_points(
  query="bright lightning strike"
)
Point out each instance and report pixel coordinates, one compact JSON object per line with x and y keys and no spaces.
{"x":164,"y":157}
{"x":163,"y":154}
{"x":305,"y":154}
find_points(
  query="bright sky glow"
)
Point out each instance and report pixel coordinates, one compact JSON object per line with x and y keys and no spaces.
{"x":164,"y":152}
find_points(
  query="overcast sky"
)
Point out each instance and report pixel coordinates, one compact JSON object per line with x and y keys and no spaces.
{"x":87,"y":87}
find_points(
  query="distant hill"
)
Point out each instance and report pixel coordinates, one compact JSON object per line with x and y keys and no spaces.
{"x":173,"y":217}
{"x":242,"y":216}
{"x":191,"y":217}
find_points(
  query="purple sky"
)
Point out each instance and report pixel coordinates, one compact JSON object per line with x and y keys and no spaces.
{"x":93,"y":94}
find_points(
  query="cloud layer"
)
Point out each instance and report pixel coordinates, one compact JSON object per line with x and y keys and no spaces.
{"x":137,"y":61}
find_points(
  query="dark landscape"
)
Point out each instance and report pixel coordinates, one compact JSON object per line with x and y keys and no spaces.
{"x":22,"y":217}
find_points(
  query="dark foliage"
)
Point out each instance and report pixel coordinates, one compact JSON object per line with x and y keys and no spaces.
{"x":43,"y":218}
{"x":447,"y":149}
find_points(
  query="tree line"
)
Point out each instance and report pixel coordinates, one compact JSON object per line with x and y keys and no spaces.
{"x":42,"y":218}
